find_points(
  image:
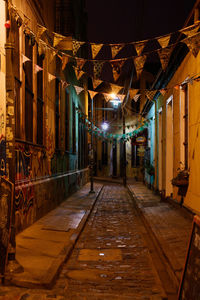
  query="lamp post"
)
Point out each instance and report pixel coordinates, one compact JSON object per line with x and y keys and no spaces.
{"x":92,"y":154}
{"x":124,"y":149}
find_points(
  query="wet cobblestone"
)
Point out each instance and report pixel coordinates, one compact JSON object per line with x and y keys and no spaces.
{"x":110,"y":260}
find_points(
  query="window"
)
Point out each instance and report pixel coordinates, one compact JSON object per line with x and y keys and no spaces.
{"x":40,"y":102}
{"x":184,"y":133}
{"x":57,"y":114}
{"x":66,"y":121}
{"x":73,"y":127}
{"x":16,"y":71}
{"x":28,"y":69}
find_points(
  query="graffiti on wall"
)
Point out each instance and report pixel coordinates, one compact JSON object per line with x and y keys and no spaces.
{"x":6,"y":191}
{"x":24,"y":190}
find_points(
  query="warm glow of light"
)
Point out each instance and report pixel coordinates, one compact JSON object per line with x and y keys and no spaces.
{"x":104,"y":126}
{"x":113,"y":96}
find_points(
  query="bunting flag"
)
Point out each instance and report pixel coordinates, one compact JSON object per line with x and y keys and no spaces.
{"x":116,"y":67}
{"x":136,"y":97}
{"x":25,"y":58}
{"x":37,"y":69}
{"x":96,"y":83}
{"x":65,"y":60}
{"x":98,"y":65}
{"x":62,"y":42}
{"x":51,"y":77}
{"x":139,"y":64}
{"x":121,"y":97}
{"x":139,"y":47}
{"x":96,"y":49}
{"x":115,"y":88}
{"x":78,"y":89}
{"x":40,"y":30}
{"x":115,"y":49}
{"x":80,"y":63}
{"x":92,"y":94}
{"x":193,"y":44}
{"x":133,"y":92}
{"x":76,"y":46}
{"x":163,"y":92}
{"x":79,"y":73}
{"x":164,"y":41}
{"x":57,"y":39}
{"x":150,"y":94}
{"x":164,"y":55}
{"x":64,"y":84}
{"x":191,"y":30}
{"x":41,"y":48}
{"x":106,"y":96}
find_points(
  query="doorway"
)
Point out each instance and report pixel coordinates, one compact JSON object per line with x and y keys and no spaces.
{"x":169,"y":147}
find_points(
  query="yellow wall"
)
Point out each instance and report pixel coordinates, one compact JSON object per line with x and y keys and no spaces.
{"x":189,"y":67}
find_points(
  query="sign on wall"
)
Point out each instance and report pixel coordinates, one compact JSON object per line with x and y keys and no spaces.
{"x":190,"y":284}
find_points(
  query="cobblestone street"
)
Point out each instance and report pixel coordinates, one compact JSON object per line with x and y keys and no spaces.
{"x":111,"y":260}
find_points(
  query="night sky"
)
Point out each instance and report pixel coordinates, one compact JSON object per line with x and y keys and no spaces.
{"x":115,"y":21}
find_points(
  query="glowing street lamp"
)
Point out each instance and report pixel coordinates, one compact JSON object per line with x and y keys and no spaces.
{"x":104,"y":126}
{"x":115,"y":100}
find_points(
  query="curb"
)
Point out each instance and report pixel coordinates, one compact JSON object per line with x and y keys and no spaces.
{"x":54,"y":270}
{"x":156,"y":241}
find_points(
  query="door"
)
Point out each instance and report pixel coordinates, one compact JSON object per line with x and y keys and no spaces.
{"x":169,"y":147}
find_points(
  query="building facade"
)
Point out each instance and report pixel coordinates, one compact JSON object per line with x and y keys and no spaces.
{"x":43,"y":141}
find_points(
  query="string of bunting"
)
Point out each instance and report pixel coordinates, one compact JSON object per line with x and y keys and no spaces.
{"x":103,"y":135}
{"x":62,"y":43}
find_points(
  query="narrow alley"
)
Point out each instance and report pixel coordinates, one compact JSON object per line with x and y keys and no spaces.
{"x":115,"y":256}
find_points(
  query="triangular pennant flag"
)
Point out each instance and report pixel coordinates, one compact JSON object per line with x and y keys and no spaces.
{"x":176,"y":87}
{"x":116,"y":67}
{"x":150,"y":94}
{"x":64,"y":84}
{"x":136,"y":97}
{"x":96,"y":49}
{"x":62,"y":42}
{"x":193,"y":44}
{"x":164,"y":41}
{"x":80,"y":63}
{"x":37,"y":69}
{"x":191,"y":30}
{"x":121,"y":97}
{"x":78,"y":89}
{"x":76,"y":45}
{"x":79,"y":73}
{"x":57,"y":39}
{"x":25,"y":59}
{"x":115,"y":49}
{"x":51,"y":77}
{"x":65,"y":60}
{"x":96,"y":83}
{"x":92,"y":93}
{"x":106,"y":96}
{"x":41,"y":48}
{"x":139,"y":47}
{"x":115,"y":88}
{"x":164,"y":55}
{"x":132,"y":93}
{"x":163,"y":92}
{"x":40,"y":30}
{"x":98,"y":65}
{"x":139,"y":64}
